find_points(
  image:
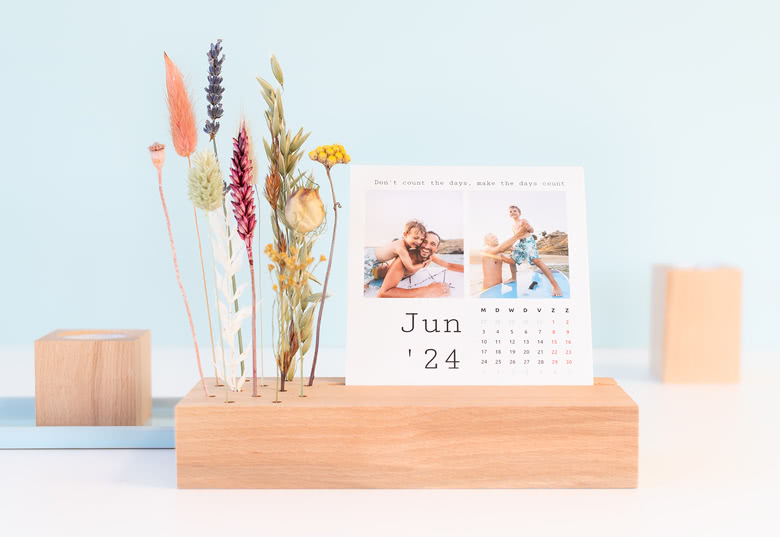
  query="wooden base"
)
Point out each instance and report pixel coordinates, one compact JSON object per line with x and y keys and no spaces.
{"x":409,"y":437}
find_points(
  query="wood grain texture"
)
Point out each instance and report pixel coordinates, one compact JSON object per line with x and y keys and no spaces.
{"x":697,"y":324}
{"x":93,"y":381}
{"x":409,"y":437}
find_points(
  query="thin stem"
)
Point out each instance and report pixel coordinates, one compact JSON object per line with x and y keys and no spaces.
{"x":300,"y":351}
{"x":254,"y":319}
{"x":219,"y":317}
{"x":181,"y":286}
{"x":336,"y":206}
{"x":206,"y":294}
{"x":278,"y":374}
{"x":260,"y":290}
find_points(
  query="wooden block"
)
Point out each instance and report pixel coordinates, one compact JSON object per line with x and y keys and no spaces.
{"x":93,"y":377}
{"x":409,"y":437}
{"x":697,"y":316}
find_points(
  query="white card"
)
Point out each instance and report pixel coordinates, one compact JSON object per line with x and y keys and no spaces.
{"x":447,"y":308}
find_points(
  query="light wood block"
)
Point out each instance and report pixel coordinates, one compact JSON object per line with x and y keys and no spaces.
{"x":93,"y":377}
{"x":697,"y":316}
{"x":409,"y":437}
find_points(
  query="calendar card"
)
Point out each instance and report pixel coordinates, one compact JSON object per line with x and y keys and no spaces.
{"x":468,"y":276}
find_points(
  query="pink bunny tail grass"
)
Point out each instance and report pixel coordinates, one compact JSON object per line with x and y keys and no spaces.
{"x":158,"y":157}
{"x":244,"y":210}
{"x":182,"y":114}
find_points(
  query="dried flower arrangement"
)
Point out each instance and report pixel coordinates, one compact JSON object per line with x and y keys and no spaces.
{"x":297,"y":216}
{"x":297,"y":220}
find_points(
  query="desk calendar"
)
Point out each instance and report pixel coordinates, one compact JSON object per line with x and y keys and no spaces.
{"x":468,"y":276}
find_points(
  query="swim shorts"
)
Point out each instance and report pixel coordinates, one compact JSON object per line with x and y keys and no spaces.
{"x":369,"y":264}
{"x":525,"y":250}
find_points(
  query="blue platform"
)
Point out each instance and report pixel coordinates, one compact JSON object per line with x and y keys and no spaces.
{"x":18,"y":429}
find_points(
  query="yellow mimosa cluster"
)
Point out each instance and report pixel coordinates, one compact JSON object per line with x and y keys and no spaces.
{"x":287,"y":265}
{"x":330,"y":155}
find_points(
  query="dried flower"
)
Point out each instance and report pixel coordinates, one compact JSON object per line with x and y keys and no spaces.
{"x":182,"y":115}
{"x":304,"y":210}
{"x":244,"y":210}
{"x":215,"y":89}
{"x":157,"y":152}
{"x":272,"y":189}
{"x":241,"y":188}
{"x":205,"y":181}
{"x":330,"y":155}
{"x":276,"y":69}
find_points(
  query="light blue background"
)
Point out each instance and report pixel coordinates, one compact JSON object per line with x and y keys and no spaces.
{"x":671,"y":107}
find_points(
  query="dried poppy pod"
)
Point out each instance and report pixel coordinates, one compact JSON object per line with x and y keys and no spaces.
{"x":157,"y":152}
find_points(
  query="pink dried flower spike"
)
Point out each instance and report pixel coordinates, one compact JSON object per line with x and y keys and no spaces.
{"x":244,"y":210}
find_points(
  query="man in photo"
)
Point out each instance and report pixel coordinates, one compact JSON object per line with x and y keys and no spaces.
{"x":397,"y":271}
{"x":493,"y":258}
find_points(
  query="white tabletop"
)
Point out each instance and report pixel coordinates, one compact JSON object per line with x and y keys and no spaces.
{"x":708,"y":465}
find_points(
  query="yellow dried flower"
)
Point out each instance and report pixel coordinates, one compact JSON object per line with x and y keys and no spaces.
{"x":275,"y":287}
{"x":330,"y":155}
{"x":322,"y":258}
{"x":270,"y":267}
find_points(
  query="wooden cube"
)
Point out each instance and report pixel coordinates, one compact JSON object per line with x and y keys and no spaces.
{"x":93,"y":377}
{"x":408,"y":437}
{"x":696,"y":327}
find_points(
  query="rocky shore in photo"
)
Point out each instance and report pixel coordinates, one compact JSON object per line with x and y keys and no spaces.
{"x":555,"y":243}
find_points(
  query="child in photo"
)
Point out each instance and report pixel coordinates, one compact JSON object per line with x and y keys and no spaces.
{"x":412,"y":238}
{"x":525,"y":248}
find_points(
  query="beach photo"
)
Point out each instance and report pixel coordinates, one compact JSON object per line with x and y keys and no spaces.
{"x":518,"y":245}
{"x":413,"y":244}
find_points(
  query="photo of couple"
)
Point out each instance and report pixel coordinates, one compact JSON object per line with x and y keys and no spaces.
{"x":532,"y":260}
{"x":414,"y":245}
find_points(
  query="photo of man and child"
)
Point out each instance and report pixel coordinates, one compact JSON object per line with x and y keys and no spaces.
{"x":532,"y":261}
{"x":413,"y":245}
